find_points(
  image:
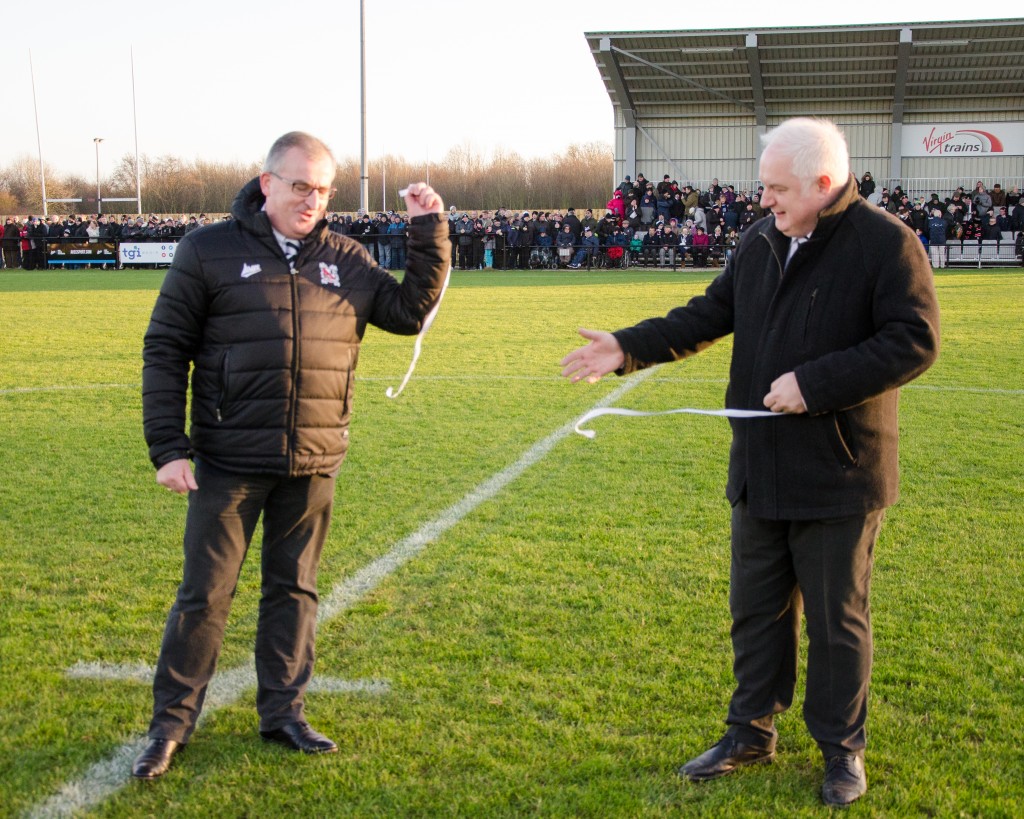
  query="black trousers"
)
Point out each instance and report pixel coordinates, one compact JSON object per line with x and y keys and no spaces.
{"x":824,"y":568}
{"x":219,"y":526}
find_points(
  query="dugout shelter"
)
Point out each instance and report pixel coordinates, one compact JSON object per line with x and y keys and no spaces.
{"x":920,"y":103}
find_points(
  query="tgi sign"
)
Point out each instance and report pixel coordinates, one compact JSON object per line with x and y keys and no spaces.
{"x":146,"y":252}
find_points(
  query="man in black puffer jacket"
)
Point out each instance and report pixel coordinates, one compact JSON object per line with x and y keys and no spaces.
{"x":270,"y":308}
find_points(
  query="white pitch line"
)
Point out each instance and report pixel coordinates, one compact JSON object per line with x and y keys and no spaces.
{"x":105,"y":778}
{"x":127,"y":672}
{"x":68,"y":387}
{"x":142,"y":673}
{"x":350,"y":591}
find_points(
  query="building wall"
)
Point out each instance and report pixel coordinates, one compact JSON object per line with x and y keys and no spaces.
{"x":728,"y":150}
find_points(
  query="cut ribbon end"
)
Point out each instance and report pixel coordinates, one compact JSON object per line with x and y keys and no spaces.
{"x":723,"y":413}
{"x":418,"y":346}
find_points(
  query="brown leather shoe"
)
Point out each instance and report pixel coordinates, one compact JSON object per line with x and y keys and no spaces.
{"x":155,"y":758}
{"x":724,"y":757}
{"x":845,"y":780}
{"x":300,"y":737}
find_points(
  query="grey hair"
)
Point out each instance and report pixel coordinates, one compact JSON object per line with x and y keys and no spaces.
{"x":307,"y":143}
{"x":815,"y":147}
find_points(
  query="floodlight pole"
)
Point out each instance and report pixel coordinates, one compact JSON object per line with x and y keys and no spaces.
{"x":135,"y":121}
{"x":39,"y":144}
{"x":99,"y":201}
{"x":364,"y":179}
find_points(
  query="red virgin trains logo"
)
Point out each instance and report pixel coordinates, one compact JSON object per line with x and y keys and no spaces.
{"x":962,"y":142}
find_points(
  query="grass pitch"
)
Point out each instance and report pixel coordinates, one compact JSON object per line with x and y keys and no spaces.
{"x":564,"y":647}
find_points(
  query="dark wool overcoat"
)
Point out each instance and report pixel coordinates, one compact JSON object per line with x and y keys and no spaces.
{"x":854,"y":316}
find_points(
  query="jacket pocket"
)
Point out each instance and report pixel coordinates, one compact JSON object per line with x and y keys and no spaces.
{"x":223,"y":395}
{"x":841,"y":439}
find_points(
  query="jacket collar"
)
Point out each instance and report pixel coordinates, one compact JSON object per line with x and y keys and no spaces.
{"x":828,"y":220}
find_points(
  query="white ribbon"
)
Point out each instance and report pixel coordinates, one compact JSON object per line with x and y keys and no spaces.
{"x":724,"y":413}
{"x":391,"y":391}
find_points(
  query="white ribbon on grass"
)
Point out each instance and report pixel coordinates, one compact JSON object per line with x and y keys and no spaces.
{"x":391,"y":391}
{"x":724,"y":413}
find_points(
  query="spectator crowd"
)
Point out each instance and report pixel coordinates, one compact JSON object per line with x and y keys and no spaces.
{"x":661,"y":224}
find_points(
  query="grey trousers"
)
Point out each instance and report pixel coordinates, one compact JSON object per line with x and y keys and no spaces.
{"x":778,"y":569}
{"x":222,"y":516}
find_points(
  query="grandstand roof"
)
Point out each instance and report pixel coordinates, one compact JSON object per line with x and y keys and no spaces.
{"x":966,"y":70}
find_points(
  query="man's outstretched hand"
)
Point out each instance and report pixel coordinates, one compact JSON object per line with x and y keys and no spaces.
{"x":601,"y":356}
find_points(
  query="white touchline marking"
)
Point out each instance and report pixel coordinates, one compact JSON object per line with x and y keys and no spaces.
{"x":68,"y":387}
{"x":982,"y":390}
{"x":105,"y":778}
{"x":142,"y":673}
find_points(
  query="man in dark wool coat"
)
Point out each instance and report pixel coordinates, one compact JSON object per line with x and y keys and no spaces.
{"x":832,"y":308}
{"x":268,"y":310}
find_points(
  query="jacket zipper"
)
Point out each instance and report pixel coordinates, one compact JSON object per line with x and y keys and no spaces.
{"x":293,"y":399}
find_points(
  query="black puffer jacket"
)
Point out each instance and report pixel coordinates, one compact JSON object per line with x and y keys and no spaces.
{"x":274,"y":352}
{"x":854,"y":317}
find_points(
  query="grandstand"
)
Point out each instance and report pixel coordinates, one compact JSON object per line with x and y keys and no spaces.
{"x":929,"y":105}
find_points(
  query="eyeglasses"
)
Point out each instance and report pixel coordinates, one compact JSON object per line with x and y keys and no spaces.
{"x":304,"y":189}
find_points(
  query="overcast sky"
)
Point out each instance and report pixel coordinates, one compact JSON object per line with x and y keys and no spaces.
{"x":222,"y":80}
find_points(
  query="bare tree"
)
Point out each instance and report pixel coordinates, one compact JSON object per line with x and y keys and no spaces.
{"x":578,"y":177}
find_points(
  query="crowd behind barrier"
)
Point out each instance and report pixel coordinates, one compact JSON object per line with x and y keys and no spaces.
{"x":649,"y":224}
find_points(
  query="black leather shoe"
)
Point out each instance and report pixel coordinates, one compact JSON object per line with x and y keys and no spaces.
{"x":300,"y":737}
{"x":724,"y":758}
{"x":845,"y":780}
{"x":155,"y":758}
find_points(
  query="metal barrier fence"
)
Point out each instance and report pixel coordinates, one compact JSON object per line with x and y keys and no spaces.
{"x":73,"y":252}
{"x":69,"y":252}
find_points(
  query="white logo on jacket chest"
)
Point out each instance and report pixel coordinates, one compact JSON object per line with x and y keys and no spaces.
{"x":329,"y":274}
{"x":250,"y":270}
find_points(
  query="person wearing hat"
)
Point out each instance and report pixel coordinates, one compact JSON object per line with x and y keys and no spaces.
{"x":588,"y":247}
{"x":626,"y":188}
{"x":867,"y":185}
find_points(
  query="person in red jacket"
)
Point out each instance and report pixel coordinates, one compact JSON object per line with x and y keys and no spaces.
{"x":617,"y":206}
{"x":831,"y":306}
{"x":701,"y":248}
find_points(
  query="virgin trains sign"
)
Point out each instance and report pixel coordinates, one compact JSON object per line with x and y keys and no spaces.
{"x":974,"y":139}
